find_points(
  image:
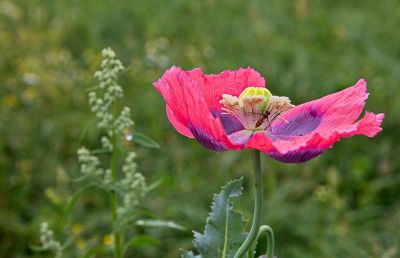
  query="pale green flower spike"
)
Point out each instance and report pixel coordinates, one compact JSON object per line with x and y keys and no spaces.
{"x":102,"y":102}
{"x":47,"y":240}
{"x":124,"y":120}
{"x":106,"y":143}
{"x":134,"y":184}
{"x":89,"y":163}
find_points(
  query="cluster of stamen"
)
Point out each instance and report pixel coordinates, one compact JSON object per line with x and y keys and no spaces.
{"x":255,"y":108}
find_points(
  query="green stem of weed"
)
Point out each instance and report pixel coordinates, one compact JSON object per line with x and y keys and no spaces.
{"x":257,"y":208}
{"x":113,"y":196}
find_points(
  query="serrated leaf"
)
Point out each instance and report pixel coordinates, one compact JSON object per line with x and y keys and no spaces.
{"x":144,"y":140}
{"x":189,"y":254}
{"x":224,"y":232}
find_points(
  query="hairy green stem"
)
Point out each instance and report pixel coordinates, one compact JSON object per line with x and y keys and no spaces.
{"x":257,"y":208}
{"x":113,"y":197}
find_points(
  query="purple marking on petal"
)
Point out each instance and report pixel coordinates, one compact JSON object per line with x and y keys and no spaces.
{"x":230,"y":123}
{"x":206,"y":140}
{"x":299,"y":125}
{"x":296,"y":156}
{"x":240,"y":137}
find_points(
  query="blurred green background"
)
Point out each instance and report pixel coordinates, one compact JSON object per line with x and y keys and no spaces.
{"x":344,"y":203}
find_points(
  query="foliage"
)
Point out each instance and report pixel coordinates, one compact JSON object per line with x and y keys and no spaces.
{"x":132,"y":188}
{"x":224,"y":232}
{"x":342,"y":204}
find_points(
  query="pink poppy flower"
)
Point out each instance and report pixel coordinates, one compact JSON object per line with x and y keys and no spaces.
{"x":233,"y":110}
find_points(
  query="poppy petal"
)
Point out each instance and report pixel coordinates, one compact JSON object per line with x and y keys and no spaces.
{"x":240,"y":137}
{"x":231,"y":82}
{"x":316,"y":143}
{"x":296,"y":156}
{"x":307,"y":130}
{"x":230,"y":123}
{"x":181,"y":128}
{"x":331,"y":111}
{"x":324,"y":116}
{"x":188,"y":112}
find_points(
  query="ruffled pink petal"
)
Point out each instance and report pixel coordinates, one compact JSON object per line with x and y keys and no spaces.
{"x":315,"y":126}
{"x":188,"y":111}
{"x":233,"y":82}
{"x":181,"y":128}
{"x":323,"y":115}
{"x":261,"y":142}
{"x":315,"y":143}
{"x":370,"y":124}
{"x":330,"y":111}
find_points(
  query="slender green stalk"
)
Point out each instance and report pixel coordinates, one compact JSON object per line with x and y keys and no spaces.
{"x":270,"y":240}
{"x":113,"y":197}
{"x":257,"y":208}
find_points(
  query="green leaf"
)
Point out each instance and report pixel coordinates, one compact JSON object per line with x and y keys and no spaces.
{"x":189,"y":254}
{"x":73,"y":200}
{"x":144,"y":140}
{"x":224,"y":232}
{"x":140,"y":241}
{"x":93,"y":251}
{"x":117,"y":187}
{"x":37,"y":248}
{"x":123,"y":219}
{"x":154,"y":185}
{"x":79,"y":179}
{"x":159,"y":223}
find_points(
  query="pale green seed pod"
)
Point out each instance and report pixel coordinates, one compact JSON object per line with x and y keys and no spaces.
{"x":257,"y":91}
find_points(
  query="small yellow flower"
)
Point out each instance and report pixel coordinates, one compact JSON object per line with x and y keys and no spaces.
{"x":30,"y":94}
{"x":80,"y":244}
{"x":108,"y":240}
{"x":77,"y":229}
{"x":9,"y":101}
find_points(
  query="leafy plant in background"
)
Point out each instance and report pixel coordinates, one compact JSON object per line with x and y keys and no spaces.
{"x":232,"y":111}
{"x":126,"y":190}
{"x":50,"y":50}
